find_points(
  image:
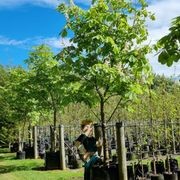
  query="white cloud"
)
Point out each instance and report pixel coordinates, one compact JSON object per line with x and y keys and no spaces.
{"x":163,"y":69}
{"x":11,"y":42}
{"x":165,"y":11}
{"x":53,"y":42}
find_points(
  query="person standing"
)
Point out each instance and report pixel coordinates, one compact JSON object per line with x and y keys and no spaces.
{"x":87,"y":147}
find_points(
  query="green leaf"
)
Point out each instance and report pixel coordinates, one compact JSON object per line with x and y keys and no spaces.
{"x":163,"y":57}
{"x":63,"y":33}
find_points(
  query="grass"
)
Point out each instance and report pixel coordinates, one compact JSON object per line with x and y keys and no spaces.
{"x":4,"y":150}
{"x":31,"y":169}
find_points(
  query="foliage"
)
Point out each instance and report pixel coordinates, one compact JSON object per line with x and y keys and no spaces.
{"x":107,"y":57}
{"x":105,"y":68}
{"x":164,"y":99}
{"x":46,"y":79}
{"x":47,"y":84}
{"x":7,"y":124}
{"x":170,"y":44}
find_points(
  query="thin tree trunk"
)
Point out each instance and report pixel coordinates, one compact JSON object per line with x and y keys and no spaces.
{"x":173,"y":139}
{"x":54,"y":135}
{"x":53,"y":131}
{"x":103,"y":123}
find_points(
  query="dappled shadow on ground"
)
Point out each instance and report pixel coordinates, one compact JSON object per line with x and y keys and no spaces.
{"x":11,"y":168}
{"x":2,"y":158}
{"x":39,"y":169}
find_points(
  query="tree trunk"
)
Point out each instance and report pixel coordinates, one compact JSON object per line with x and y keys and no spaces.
{"x":103,"y":123}
{"x":53,"y":131}
{"x":19,"y":140}
{"x":173,"y":139}
{"x":35,"y":142}
{"x":98,"y":135}
{"x":30,"y":135}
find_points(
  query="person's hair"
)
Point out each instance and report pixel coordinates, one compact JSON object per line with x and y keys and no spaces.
{"x":85,"y":122}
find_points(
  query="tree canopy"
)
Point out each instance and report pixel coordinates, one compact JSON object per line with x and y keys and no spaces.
{"x":107,"y":57}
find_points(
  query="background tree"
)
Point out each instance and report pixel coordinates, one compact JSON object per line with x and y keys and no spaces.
{"x":107,"y":57}
{"x":20,"y":100}
{"x":47,"y":84}
{"x":7,"y":126}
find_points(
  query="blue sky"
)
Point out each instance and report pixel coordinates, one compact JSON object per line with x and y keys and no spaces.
{"x":27,"y":23}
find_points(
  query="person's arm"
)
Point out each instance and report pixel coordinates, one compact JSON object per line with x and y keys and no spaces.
{"x":77,"y":144}
{"x":87,"y":155}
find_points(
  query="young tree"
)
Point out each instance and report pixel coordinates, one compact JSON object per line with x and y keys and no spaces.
{"x":18,"y":100}
{"x":47,"y":84}
{"x":107,"y":56}
{"x":7,"y":125}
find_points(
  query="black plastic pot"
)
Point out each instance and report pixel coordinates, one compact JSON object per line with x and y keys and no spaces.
{"x":73,"y":162}
{"x":159,"y":166}
{"x":138,"y":170}
{"x":170,"y":176}
{"x":173,"y":164}
{"x":14,"y":147}
{"x":157,"y":177}
{"x":178,"y":174}
{"x":100,"y":173}
{"x":109,"y":172}
{"x":29,"y":152}
{"x":130,"y":172}
{"x":42,"y":155}
{"x":21,"y":155}
{"x":114,"y":159}
{"x":52,"y":160}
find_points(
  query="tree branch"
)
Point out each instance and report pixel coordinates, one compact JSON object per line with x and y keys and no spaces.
{"x":95,"y":115}
{"x":114,"y":110}
{"x":110,"y":97}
